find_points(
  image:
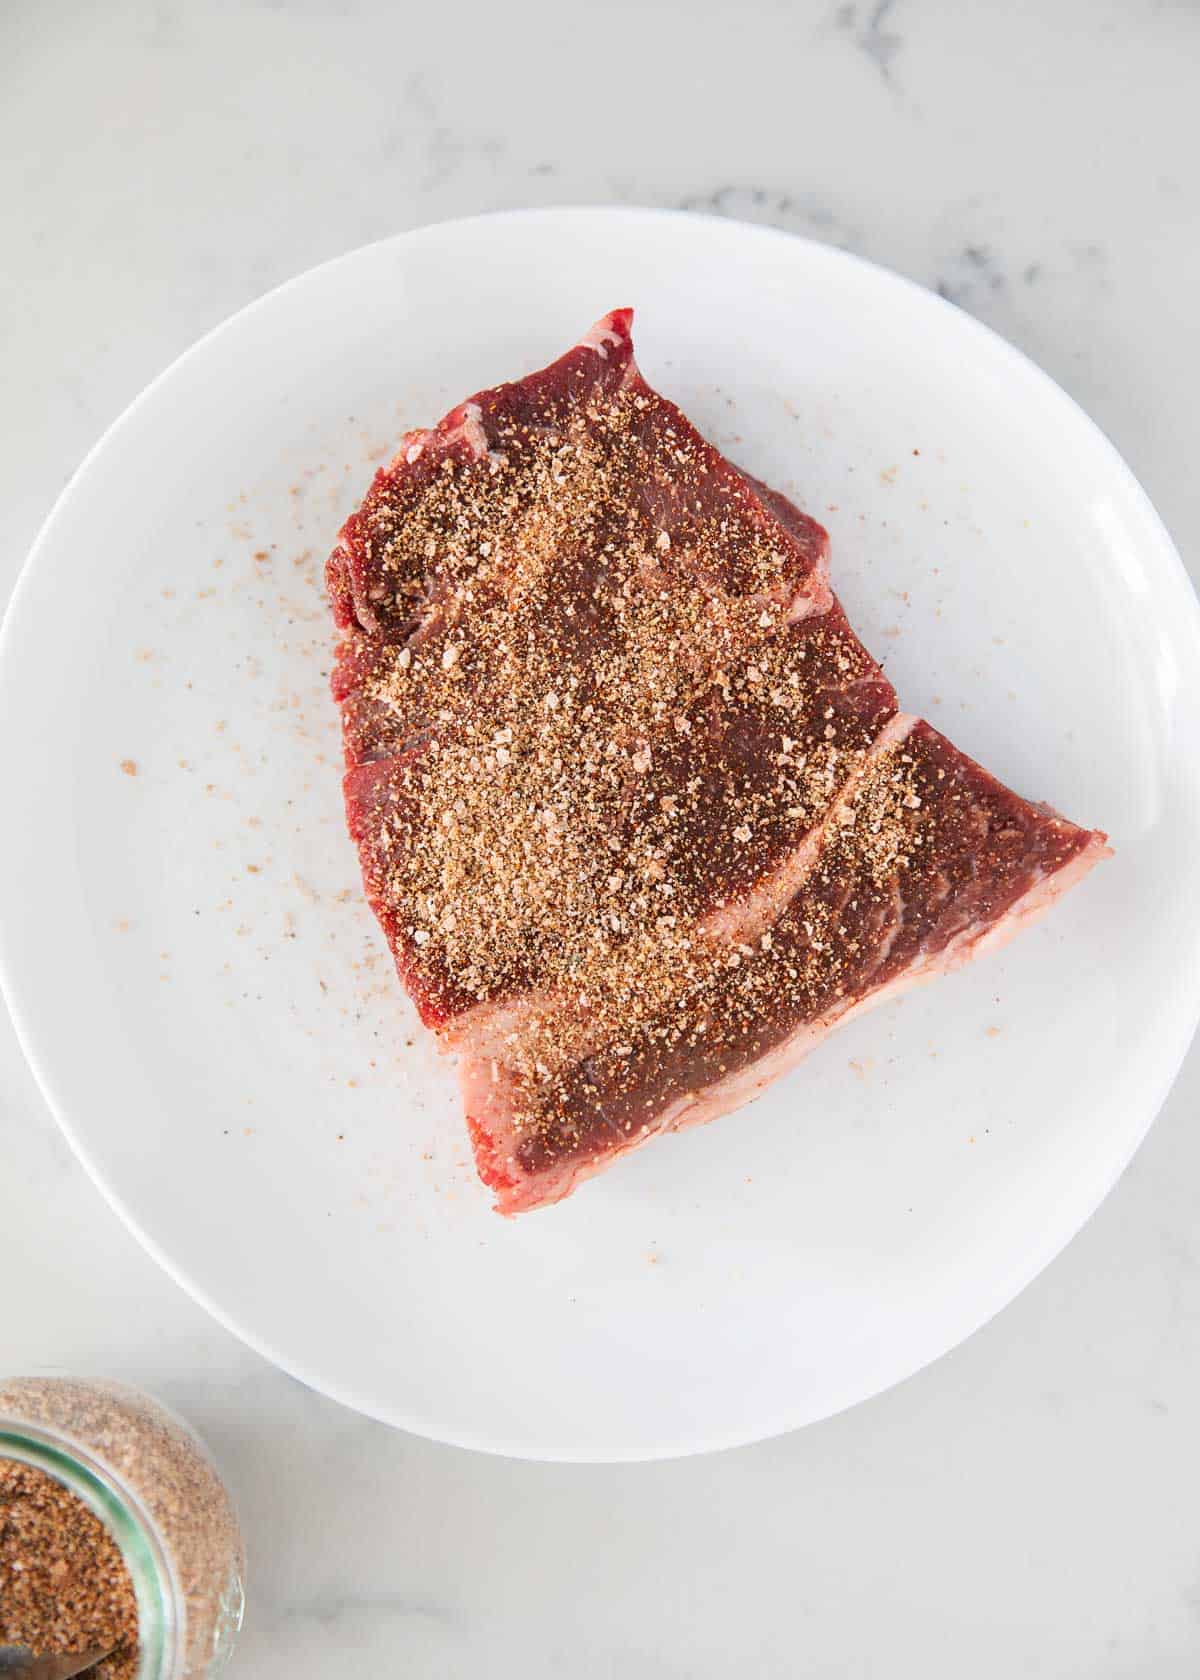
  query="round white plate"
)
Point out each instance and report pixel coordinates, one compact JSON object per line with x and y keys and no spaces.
{"x":209,"y":1006}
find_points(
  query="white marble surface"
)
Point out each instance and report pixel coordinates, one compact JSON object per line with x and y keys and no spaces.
{"x":1028,"y":1506}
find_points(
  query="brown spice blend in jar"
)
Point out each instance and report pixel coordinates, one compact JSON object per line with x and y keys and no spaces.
{"x":64,"y":1586}
{"x":160,"y":1474}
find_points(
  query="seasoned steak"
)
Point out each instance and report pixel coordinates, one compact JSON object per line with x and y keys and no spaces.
{"x":638,"y":813}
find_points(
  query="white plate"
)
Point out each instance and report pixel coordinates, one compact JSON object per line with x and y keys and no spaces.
{"x":210,"y":1009}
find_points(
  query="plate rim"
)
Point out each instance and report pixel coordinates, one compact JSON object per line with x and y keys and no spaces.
{"x":783,"y":1421}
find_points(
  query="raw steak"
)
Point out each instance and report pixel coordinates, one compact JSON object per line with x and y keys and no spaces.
{"x":638,"y":813}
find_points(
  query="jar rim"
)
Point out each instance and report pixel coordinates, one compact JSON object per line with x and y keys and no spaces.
{"x":133,"y":1531}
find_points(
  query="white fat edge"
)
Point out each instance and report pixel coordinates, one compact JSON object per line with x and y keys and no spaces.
{"x":411,"y":449}
{"x":597,"y":337}
{"x":470,"y":429}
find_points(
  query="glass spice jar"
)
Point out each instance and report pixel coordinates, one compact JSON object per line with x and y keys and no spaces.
{"x":151,"y":1482}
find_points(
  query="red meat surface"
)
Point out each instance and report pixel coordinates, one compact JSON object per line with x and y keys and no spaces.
{"x":639,"y":815}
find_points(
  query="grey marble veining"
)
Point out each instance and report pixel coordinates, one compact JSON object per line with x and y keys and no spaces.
{"x":1028,"y":1505}
{"x":873,"y":30}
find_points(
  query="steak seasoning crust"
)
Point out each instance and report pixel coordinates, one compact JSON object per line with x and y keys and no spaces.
{"x":638,"y":813}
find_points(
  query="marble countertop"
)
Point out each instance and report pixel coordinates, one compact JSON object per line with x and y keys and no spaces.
{"x":1028,"y":1505}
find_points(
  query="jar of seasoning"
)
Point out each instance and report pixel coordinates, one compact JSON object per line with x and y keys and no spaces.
{"x":116,"y":1532}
